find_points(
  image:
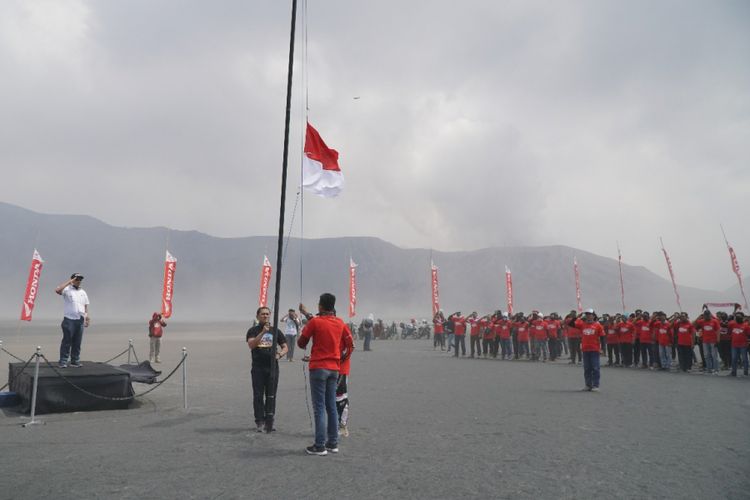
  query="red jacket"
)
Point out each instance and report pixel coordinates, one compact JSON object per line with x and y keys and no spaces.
{"x":332,"y":342}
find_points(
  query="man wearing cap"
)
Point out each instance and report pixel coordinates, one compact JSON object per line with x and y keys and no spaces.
{"x":591,"y":332}
{"x":75,"y":318}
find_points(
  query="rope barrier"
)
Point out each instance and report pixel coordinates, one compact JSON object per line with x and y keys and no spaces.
{"x":119,"y":355}
{"x":20,"y":372}
{"x":11,"y":354}
{"x":111,"y":398}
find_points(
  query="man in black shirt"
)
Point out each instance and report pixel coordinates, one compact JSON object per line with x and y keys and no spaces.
{"x":265,"y":369}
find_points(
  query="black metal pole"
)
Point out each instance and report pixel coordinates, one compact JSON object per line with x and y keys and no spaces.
{"x":280,"y":243}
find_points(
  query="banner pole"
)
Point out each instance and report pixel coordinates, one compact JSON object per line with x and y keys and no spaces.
{"x":34,"y":390}
{"x":184,"y":378}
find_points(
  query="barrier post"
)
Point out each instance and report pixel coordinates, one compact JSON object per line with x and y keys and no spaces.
{"x":33,"y":393}
{"x":130,"y":348}
{"x":184,"y":378}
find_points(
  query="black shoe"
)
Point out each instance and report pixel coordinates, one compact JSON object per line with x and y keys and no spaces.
{"x":332,"y":448}
{"x":269,"y":425}
{"x":316,"y":450}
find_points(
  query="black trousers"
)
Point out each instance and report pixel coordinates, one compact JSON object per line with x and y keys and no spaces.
{"x":575,"y":350}
{"x":488,"y":345}
{"x":725,"y":352}
{"x":646,"y":354}
{"x":475,"y":340}
{"x":460,"y":340}
{"x":685,"y":355}
{"x":265,"y":382}
{"x":613,"y":353}
{"x":626,"y":350}
{"x":438,"y":340}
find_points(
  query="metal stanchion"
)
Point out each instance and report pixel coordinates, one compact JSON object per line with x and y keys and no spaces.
{"x":184,"y":377}
{"x":130,"y":348}
{"x":33,"y":393}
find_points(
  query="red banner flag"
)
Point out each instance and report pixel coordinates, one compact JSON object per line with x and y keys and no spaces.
{"x":578,"y":284}
{"x":352,"y":288}
{"x":622,"y":284}
{"x":509,"y":290}
{"x":265,"y":279}
{"x":735,"y":266}
{"x":435,"y":292}
{"x":671,"y":274}
{"x":32,"y":286}
{"x":170,"y":266}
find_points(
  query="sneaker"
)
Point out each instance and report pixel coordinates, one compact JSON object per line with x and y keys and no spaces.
{"x":332,"y":449}
{"x":344,"y":431}
{"x":62,"y":365}
{"x":76,"y":364}
{"x":316,"y":450}
{"x":594,"y":389}
{"x":259,"y":426}
{"x":585,"y":389}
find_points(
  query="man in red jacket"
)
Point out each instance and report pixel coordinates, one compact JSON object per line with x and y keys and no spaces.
{"x":739,"y":329}
{"x":332,"y":342}
{"x":709,"y":328}
{"x":685,"y":340}
{"x":591,"y":332}
{"x":459,"y":331}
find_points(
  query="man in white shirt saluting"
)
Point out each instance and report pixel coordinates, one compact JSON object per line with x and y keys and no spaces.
{"x":75,"y":318}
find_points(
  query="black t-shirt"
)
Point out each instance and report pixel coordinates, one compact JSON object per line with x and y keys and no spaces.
{"x":262,"y":355}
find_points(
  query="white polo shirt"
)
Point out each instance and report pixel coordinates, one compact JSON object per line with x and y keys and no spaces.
{"x":75,"y":301}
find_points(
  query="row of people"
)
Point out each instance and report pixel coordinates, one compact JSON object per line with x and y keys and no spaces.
{"x":631,"y":340}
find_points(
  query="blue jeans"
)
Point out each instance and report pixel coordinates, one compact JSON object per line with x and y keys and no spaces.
{"x":368,"y":338}
{"x":738,"y":352}
{"x":323,"y":392}
{"x":665,"y":354}
{"x":70,"y":347}
{"x":712,"y":357}
{"x":591,"y":368}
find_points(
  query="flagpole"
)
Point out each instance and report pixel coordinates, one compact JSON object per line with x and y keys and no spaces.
{"x":279,"y":245}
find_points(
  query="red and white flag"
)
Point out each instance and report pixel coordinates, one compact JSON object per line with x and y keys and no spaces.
{"x":320,"y":166}
{"x":735,"y":267}
{"x":671,"y":274}
{"x":352,"y":288}
{"x":622,"y":284}
{"x":167,"y":293}
{"x":578,"y":284}
{"x":509,"y":290}
{"x":435,"y":292}
{"x":265,"y":279}
{"x":32,"y":286}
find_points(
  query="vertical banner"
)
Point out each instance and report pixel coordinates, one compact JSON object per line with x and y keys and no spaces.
{"x":735,"y":267}
{"x":435,"y":293}
{"x":265,"y":279}
{"x":622,"y":284}
{"x":671,"y":274}
{"x":32,"y":286}
{"x":509,"y":290}
{"x":352,"y":288}
{"x":578,"y":284}
{"x":170,"y":265}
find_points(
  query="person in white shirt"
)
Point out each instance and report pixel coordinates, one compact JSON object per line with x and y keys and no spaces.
{"x":75,"y":318}
{"x":292,"y":326}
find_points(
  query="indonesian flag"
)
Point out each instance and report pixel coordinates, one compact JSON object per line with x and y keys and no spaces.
{"x":320,"y":167}
{"x":578,"y":284}
{"x":32,"y":286}
{"x":352,"y":288}
{"x":170,"y":265}
{"x":265,"y":279}
{"x":509,"y":290}
{"x":435,"y":293}
{"x":671,"y":274}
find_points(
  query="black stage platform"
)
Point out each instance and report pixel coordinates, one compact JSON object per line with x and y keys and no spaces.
{"x":55,"y":395}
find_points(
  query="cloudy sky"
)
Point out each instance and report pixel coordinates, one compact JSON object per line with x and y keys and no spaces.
{"x":477,"y":123}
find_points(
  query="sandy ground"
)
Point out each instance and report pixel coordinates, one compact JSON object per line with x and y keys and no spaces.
{"x":424,"y":425}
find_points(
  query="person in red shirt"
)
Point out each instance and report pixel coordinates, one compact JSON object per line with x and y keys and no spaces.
{"x":626,"y":336}
{"x":521,"y":330}
{"x":539,"y":333}
{"x":475,"y":337}
{"x":591,"y":332}
{"x":553,"y":330}
{"x":724,"y":345}
{"x":155,"y":332}
{"x":685,"y":341}
{"x":439,"y":335}
{"x":739,"y":329}
{"x":332,"y":343}
{"x":708,"y":327}
{"x":613,"y":340}
{"x":459,"y":332}
{"x":502,"y":330}
{"x":342,"y":393}
{"x":488,"y":336}
{"x":663,"y":329}
{"x":643,"y":332}
{"x":574,"y":337}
